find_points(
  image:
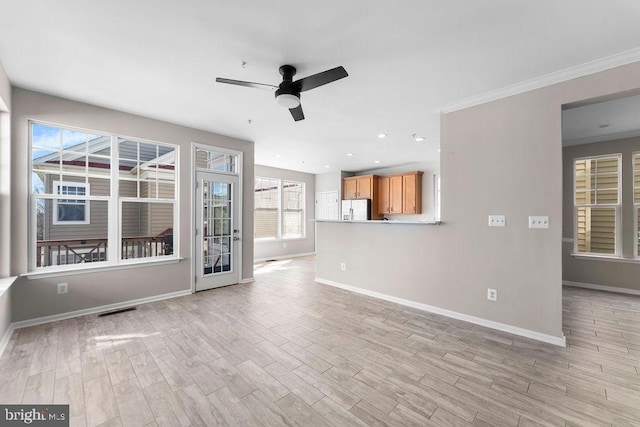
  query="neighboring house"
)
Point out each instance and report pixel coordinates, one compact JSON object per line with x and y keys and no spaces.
{"x":74,"y":229}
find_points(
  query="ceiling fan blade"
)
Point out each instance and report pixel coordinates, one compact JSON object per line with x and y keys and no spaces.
{"x":246,"y":84}
{"x":320,"y":79}
{"x":297,"y":113}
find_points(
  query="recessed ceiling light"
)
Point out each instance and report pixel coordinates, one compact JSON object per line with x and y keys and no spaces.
{"x":376,"y":161}
{"x":418,"y":138}
{"x":327,"y":166}
{"x":382,"y":135}
{"x":277,"y":156}
{"x":350,"y":154}
{"x":439,"y":150}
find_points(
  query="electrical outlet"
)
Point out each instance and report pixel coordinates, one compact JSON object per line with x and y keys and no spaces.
{"x":497,"y":221}
{"x":538,"y":222}
{"x":492,"y":294}
{"x":343,"y":266}
{"x":63,"y":288}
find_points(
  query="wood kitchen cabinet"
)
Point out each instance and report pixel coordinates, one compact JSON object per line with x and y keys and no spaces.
{"x":358,"y":187}
{"x":412,"y":193}
{"x":390,"y":194}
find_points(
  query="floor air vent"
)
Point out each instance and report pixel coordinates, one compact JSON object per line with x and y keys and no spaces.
{"x":123,"y":310}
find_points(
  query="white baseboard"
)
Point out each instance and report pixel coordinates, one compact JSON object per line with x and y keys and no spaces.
{"x":93,"y":310}
{"x":249,"y":280}
{"x":551,"y":339}
{"x":601,"y":287}
{"x":283,"y":257}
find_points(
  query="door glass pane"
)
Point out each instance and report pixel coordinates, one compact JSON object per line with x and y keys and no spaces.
{"x":216,"y":161}
{"x":217,"y":227}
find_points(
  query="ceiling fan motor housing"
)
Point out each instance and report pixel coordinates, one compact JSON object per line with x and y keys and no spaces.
{"x":287,"y":94}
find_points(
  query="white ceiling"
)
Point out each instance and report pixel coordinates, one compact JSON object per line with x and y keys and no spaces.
{"x":602,"y":121}
{"x":405,"y":59}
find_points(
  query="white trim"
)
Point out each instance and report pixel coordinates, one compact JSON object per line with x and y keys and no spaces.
{"x":93,"y":268}
{"x":85,"y":312}
{"x":591,"y":67}
{"x":284,"y":257}
{"x":5,"y":283}
{"x":99,"y":309}
{"x":249,"y":280}
{"x":601,"y":287}
{"x":551,"y":339}
{"x":594,"y":257}
{"x":5,"y":339}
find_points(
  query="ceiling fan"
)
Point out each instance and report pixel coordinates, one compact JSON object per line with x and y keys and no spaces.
{"x":288,"y":92}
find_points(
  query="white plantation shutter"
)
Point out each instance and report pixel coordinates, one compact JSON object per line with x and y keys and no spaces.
{"x":597,"y":204}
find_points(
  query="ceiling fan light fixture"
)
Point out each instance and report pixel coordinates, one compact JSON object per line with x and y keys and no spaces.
{"x":287,"y":100}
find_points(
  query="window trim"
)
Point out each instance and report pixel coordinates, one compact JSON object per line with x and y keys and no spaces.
{"x":618,"y":209}
{"x":114,"y":200}
{"x":437,"y":197}
{"x":280,"y":210}
{"x":87,"y":202}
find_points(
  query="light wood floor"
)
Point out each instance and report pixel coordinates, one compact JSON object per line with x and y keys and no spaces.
{"x":288,"y":351}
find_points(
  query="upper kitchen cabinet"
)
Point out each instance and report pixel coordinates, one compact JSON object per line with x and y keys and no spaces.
{"x":390,"y":194}
{"x":412,"y":193}
{"x":359,"y":187}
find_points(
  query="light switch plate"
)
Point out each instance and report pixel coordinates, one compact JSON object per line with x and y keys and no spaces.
{"x":497,"y":221}
{"x":538,"y":222}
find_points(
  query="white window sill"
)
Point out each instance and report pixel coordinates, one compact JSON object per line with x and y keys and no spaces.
{"x":5,"y":284}
{"x":593,"y":257}
{"x":281,"y":239}
{"x":93,"y":268}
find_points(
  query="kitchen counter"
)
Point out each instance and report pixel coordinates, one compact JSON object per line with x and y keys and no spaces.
{"x":379,"y":221}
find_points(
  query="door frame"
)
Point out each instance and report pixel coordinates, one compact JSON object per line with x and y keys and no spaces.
{"x":193,"y":199}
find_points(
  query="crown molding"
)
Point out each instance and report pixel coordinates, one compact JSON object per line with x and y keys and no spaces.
{"x":602,"y":64}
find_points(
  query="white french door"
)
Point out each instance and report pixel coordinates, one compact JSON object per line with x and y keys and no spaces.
{"x":217,"y":232}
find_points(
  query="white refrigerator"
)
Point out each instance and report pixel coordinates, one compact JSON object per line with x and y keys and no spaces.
{"x":356,"y":210}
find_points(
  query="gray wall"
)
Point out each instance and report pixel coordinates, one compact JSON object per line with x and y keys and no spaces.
{"x":267,"y":249}
{"x":591,"y":271}
{"x":36,"y":298}
{"x":501,"y":157}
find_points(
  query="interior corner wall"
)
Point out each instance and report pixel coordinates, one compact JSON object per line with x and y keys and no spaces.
{"x":38,"y":297}
{"x":501,"y":157}
{"x":268,"y":249}
{"x":593,"y":271}
{"x":5,"y":173}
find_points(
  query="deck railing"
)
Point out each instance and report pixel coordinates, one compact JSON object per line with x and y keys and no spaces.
{"x":76,"y":251}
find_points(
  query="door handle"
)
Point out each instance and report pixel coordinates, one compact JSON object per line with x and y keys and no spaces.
{"x":236,"y":238}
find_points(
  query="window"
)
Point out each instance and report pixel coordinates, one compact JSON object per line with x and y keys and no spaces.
{"x":93,"y":205}
{"x":266,"y":208}
{"x":292,"y":210}
{"x":436,"y":197}
{"x":279,"y":209}
{"x":597,"y":204}
{"x":70,"y":211}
